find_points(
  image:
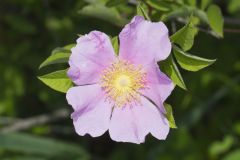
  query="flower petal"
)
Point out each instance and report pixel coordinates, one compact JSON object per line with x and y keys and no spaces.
{"x":80,"y":96}
{"x":91,"y":113}
{"x":133,"y":123}
{"x":159,"y":86}
{"x":143,"y":42}
{"x":89,"y":57}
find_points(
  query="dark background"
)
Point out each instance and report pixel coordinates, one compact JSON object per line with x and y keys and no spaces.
{"x":207,"y":115}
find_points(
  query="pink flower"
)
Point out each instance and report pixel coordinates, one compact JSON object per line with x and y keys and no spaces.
{"x":123,"y":94}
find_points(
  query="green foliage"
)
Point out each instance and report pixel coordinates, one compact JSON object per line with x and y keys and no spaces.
{"x":45,"y":147}
{"x":234,"y":6}
{"x":215,"y":19}
{"x":25,"y":158}
{"x":111,"y":3}
{"x":191,"y":2}
{"x":57,"y":80}
{"x":59,"y":55}
{"x":141,"y":11}
{"x":220,"y":147}
{"x":190,"y":62}
{"x":170,"y":68}
{"x":206,"y":114}
{"x":169,"y":115}
{"x":185,"y":36}
{"x":115,"y":44}
{"x":205,"y":3}
{"x":234,"y":155}
{"x":159,"y":5}
{"x":101,"y":11}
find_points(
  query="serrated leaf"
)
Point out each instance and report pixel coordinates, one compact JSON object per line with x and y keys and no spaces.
{"x":169,"y":67}
{"x":28,"y":144}
{"x":215,"y":19}
{"x":115,"y":44}
{"x":58,"y":80}
{"x":169,"y":115}
{"x":111,"y":3}
{"x":141,"y":11}
{"x":190,"y":62}
{"x":185,"y":36}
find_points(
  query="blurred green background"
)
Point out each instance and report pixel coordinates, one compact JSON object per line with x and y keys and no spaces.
{"x":35,"y":121}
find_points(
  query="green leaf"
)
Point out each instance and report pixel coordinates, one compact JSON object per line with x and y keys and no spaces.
{"x":141,"y":11}
{"x":215,"y":19}
{"x":100,"y":11}
{"x":28,"y":144}
{"x":25,"y":158}
{"x":159,"y":5}
{"x":70,"y":46}
{"x":58,"y":80}
{"x":169,"y":67}
{"x":233,"y":6}
{"x":201,"y":15}
{"x":185,"y":36}
{"x":179,"y":12}
{"x":220,"y":147}
{"x":169,"y":115}
{"x":191,"y":2}
{"x":234,"y":155}
{"x":190,"y":62}
{"x":205,"y":3}
{"x":59,"y":55}
{"x":111,"y":3}
{"x":184,"y":12}
{"x":115,"y":43}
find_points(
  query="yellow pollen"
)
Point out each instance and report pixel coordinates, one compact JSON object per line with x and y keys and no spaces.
{"x":121,"y":82}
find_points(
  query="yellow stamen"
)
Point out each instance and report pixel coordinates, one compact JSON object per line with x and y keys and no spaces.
{"x":121,"y":81}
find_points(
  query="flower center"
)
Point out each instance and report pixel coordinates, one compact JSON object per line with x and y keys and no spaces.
{"x":121,"y":82}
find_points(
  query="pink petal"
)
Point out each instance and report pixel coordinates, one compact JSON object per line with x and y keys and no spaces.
{"x":89,"y":57}
{"x":133,"y":123}
{"x":80,"y":96}
{"x":144,"y":42}
{"x":91,"y":113}
{"x":159,"y":86}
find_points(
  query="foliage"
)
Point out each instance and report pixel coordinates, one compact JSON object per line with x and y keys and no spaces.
{"x":41,"y":147}
{"x":57,"y":80}
{"x":169,"y":115}
{"x":206,"y":115}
